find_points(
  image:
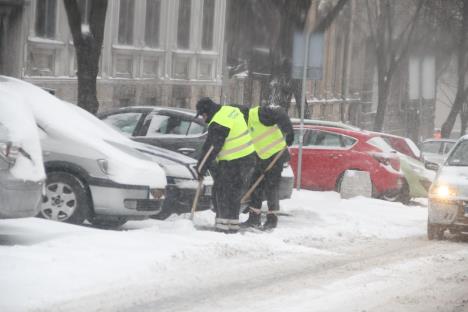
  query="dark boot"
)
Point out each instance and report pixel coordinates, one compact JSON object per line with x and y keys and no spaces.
{"x":271,"y":222}
{"x":252,"y":221}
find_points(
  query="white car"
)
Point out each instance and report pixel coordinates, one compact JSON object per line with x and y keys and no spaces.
{"x":448,"y":195}
{"x":21,"y":168}
{"x":92,"y":173}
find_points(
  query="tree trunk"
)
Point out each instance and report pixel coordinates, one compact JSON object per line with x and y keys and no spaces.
{"x":88,"y":49}
{"x":383,"y":90}
{"x":448,"y":124}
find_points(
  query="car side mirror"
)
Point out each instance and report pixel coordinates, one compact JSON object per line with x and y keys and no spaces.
{"x":431,"y":166}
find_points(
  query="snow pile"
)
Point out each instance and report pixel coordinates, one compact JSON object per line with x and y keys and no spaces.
{"x":49,"y":264}
{"x":20,"y":129}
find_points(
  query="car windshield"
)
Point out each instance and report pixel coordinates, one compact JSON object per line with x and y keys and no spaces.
{"x":125,"y":122}
{"x":431,"y":147}
{"x":380,"y":144}
{"x":459,"y":156}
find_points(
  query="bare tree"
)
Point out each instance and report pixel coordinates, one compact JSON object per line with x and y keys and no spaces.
{"x":391,"y":26}
{"x":455,"y":14}
{"x":87,"y":28}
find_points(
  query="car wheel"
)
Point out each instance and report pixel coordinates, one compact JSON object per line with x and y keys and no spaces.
{"x":402,"y":196}
{"x":107,"y":223}
{"x":65,"y":200}
{"x":340,"y":179}
{"x":434,"y":231}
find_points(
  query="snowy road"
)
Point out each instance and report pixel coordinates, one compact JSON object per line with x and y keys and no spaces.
{"x":327,"y":255}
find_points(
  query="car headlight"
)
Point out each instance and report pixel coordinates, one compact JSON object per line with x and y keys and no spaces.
{"x":443,"y":191}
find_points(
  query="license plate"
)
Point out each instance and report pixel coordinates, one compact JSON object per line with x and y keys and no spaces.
{"x":208,"y":189}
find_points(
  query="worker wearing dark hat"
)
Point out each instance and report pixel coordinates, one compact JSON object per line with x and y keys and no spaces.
{"x":229,"y":143}
{"x":271,"y":132}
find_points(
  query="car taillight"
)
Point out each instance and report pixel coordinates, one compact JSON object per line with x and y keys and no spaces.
{"x":381,"y":158}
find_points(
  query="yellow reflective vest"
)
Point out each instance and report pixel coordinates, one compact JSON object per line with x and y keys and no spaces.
{"x":267,"y":140}
{"x":238,"y":143}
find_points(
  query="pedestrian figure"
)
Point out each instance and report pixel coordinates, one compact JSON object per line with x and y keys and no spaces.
{"x":271,"y":131}
{"x":229,"y":142}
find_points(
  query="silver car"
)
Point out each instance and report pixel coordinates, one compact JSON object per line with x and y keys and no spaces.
{"x":448,"y":195}
{"x":21,"y":169}
{"x":91,"y":172}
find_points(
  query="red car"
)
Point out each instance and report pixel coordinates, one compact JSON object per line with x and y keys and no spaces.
{"x":401,"y":144}
{"x":328,"y":152}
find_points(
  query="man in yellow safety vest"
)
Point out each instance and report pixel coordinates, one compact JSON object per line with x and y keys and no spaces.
{"x":230,"y":144}
{"x":271,"y":131}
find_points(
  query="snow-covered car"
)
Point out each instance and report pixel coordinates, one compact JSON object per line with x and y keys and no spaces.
{"x":21,"y":169}
{"x":448,"y":195}
{"x":417,"y":179}
{"x":92,"y":173}
{"x":182,"y":182}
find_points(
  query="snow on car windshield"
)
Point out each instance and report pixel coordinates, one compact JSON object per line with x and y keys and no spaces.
{"x":19,"y":128}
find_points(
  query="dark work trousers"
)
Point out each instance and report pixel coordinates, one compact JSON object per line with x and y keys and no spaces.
{"x":231,"y":180}
{"x":269,"y":186}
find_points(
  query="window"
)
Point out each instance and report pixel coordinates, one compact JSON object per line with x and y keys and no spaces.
{"x":46,"y":11}
{"x":347,"y":141}
{"x":183,"y":24}
{"x":432,"y":147}
{"x":196,"y":128}
{"x":328,"y":139}
{"x":153,"y":12}
{"x":125,"y":123}
{"x":208,"y":20}
{"x":162,"y":124}
{"x":459,"y":156}
{"x":448,"y":147}
{"x":126,"y":16}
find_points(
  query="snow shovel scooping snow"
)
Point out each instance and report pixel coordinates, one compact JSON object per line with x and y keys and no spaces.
{"x":200,"y":185}
{"x":260,"y":178}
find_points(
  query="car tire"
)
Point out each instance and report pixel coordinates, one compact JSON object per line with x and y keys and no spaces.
{"x":66,"y":199}
{"x":107,"y":223}
{"x":402,"y":196}
{"x":435,"y":231}
{"x":340,"y":179}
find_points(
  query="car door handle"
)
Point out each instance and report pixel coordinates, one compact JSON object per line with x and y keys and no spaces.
{"x":186,"y":150}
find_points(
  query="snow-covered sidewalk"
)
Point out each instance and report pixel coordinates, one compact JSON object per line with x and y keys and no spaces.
{"x":45,"y":265}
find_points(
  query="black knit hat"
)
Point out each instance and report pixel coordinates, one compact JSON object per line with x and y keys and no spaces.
{"x":204,"y":106}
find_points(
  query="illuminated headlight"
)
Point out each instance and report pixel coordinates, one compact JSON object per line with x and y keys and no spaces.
{"x":157,"y":193}
{"x":443,"y":191}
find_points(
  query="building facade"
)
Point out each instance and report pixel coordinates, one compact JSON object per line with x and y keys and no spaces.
{"x":155,"y":52}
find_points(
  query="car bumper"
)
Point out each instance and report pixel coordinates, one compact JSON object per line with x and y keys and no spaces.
{"x":387,"y":181}
{"x":20,"y":199}
{"x":129,"y":201}
{"x":449,"y":212}
{"x":180,"y":200}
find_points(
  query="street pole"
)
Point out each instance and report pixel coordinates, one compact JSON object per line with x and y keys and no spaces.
{"x":303,"y":94}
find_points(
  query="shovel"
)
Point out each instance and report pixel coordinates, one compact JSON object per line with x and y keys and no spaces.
{"x":260,"y":178}
{"x":200,"y":185}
